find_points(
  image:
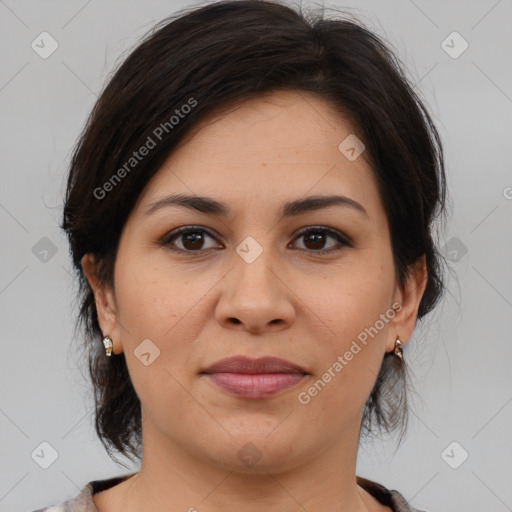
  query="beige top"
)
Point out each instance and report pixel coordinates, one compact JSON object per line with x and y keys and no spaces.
{"x":83,"y":501}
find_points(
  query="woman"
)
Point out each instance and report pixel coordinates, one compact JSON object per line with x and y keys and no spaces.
{"x":250,"y":212}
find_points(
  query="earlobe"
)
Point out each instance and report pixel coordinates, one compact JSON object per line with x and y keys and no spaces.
{"x":409,"y":299}
{"x":104,"y":300}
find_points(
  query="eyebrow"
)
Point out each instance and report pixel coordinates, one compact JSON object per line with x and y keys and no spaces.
{"x":208,"y":205}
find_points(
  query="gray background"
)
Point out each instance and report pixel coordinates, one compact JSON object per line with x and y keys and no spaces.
{"x":460,"y":357}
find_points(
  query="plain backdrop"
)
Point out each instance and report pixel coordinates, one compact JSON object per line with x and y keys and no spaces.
{"x":457,"y":454}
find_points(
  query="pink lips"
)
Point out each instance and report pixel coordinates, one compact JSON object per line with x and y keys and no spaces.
{"x":255,"y":378}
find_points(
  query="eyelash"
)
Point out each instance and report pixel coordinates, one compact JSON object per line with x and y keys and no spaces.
{"x":342,"y":239}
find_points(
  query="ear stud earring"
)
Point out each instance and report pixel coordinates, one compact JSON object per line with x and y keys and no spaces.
{"x":107,"y":341}
{"x":398,"y":348}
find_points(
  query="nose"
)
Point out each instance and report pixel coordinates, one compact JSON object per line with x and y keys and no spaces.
{"x":255,"y":297}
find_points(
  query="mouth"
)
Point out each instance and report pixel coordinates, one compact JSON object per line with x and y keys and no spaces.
{"x":255,"y":378}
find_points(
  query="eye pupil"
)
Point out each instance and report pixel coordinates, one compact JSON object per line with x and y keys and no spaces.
{"x":317,"y":238}
{"x":195,"y":237}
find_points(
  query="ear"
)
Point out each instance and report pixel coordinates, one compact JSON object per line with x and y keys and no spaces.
{"x":407,"y":303}
{"x":105,"y":303}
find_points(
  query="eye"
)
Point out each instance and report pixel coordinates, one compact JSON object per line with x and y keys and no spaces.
{"x":192,"y":239}
{"x":315,"y":239}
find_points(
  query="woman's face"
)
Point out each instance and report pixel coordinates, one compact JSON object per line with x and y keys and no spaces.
{"x":253,"y":281}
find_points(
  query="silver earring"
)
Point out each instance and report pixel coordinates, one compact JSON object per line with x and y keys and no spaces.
{"x":107,"y":341}
{"x":398,"y":348}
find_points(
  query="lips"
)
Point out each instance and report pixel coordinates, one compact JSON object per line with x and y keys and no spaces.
{"x":254,"y":378}
{"x":241,"y":364}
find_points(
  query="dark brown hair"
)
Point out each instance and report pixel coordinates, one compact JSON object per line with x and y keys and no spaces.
{"x":212,"y":57}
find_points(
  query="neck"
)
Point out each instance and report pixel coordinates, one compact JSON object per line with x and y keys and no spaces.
{"x":171,"y":478}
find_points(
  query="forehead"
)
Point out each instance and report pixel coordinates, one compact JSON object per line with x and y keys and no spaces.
{"x":278,"y":124}
{"x":269,"y":149}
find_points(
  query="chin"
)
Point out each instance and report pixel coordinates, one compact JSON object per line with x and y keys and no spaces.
{"x":259,"y":452}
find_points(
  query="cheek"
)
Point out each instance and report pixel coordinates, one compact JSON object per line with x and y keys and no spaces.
{"x":338,"y":390}
{"x":150,"y":298}
{"x":158,"y":302}
{"x":153,"y":306}
{"x":352,"y":301}
{"x":357,"y":311}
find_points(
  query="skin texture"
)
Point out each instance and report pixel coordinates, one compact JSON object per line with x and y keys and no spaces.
{"x":289,"y":302}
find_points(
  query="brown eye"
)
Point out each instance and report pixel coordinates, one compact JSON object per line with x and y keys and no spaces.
{"x":191,"y":239}
{"x":316,"y":238}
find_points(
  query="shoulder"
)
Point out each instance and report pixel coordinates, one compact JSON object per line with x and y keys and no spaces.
{"x":83,"y":502}
{"x":54,"y":508}
{"x":391,"y":498}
